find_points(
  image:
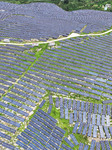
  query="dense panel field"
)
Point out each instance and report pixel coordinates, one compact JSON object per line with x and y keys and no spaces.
{"x":57,"y":98}
{"x":43,"y":20}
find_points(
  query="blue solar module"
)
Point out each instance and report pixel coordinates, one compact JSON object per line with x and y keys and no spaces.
{"x":94,"y":119}
{"x":85,"y":129}
{"x":61,"y":112}
{"x":95,"y":131}
{"x":69,"y":104}
{"x":108,"y":110}
{"x":106,"y":132}
{"x":65,"y":103}
{"x":74,"y":104}
{"x":107,"y":145}
{"x":69,"y":143}
{"x":80,"y":116}
{"x":91,"y":108}
{"x":33,"y":146}
{"x":74,"y":139}
{"x":86,"y":147}
{"x":59,"y":129}
{"x":61,"y":102}
{"x":90,"y":130}
{"x":78,"y":105}
{"x":89,"y":118}
{"x":75,"y":115}
{"x":84,"y":117}
{"x":53,"y":144}
{"x":49,"y":109}
{"x":99,"y":108}
{"x":50,"y":99}
{"x":66,"y":147}
{"x":82,"y":106}
{"x":66,"y":113}
{"x":97,"y":146}
{"x":101,"y":132}
{"x":104,"y":110}
{"x":98,"y":119}
{"x":75,"y":127}
{"x":51,"y":118}
{"x":80,"y":128}
{"x":81,"y":145}
{"x":86,"y":106}
{"x":42,"y":103}
{"x":92,"y":145}
{"x":103,"y":120}
{"x":110,"y":143}
{"x":71,"y":118}
{"x":95,"y":108}
{"x":57,"y":102}
{"x":108,"y":120}
{"x":22,"y":144}
{"x":102,"y":145}
{"x":110,"y":129}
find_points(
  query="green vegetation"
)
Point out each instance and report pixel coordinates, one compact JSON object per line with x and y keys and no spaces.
{"x":70,"y":5}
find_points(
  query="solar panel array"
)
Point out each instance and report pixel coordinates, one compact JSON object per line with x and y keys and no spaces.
{"x":18,"y":97}
{"x":78,"y":68}
{"x":44,"y":20}
{"x":41,"y":133}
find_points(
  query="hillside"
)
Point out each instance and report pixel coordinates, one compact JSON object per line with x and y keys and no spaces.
{"x":70,"y":5}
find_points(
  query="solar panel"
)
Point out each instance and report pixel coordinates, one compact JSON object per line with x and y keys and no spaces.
{"x":90,"y":130}
{"x":84,"y":117}
{"x":78,"y":105}
{"x":75,"y":127}
{"x":82,"y":106}
{"x":97,"y":146}
{"x":81,"y":145}
{"x":89,"y":118}
{"x":74,"y":104}
{"x":75,"y":115}
{"x":69,"y":142}
{"x":98,"y":119}
{"x":95,"y":131}
{"x":69,"y":104}
{"x":86,"y":147}
{"x":71,"y":118}
{"x":80,"y":128}
{"x":92,"y":145}
{"x":80,"y":116}
{"x":85,"y":129}
{"x":42,"y":103}
{"x":108,"y":120}
{"x":99,"y":108}
{"x":106,"y":132}
{"x":103,"y":120}
{"x":57,"y":102}
{"x":86,"y":106}
{"x":102,"y":145}
{"x":74,"y":139}
{"x":94,"y":119}
{"x":66,"y":113}
{"x":101,"y":132}
{"x":61,"y":112}
{"x":50,"y":99}
{"x":107,"y":145}
{"x":49,"y":109}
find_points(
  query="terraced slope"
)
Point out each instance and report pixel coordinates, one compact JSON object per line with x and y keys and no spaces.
{"x":42,"y":21}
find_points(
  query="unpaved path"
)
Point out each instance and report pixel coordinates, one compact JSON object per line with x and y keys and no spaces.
{"x":63,"y":38}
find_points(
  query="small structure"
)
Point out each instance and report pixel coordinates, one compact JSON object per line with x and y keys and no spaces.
{"x":107,"y":6}
{"x":35,"y":44}
{"x":6,"y":40}
{"x":51,"y":43}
